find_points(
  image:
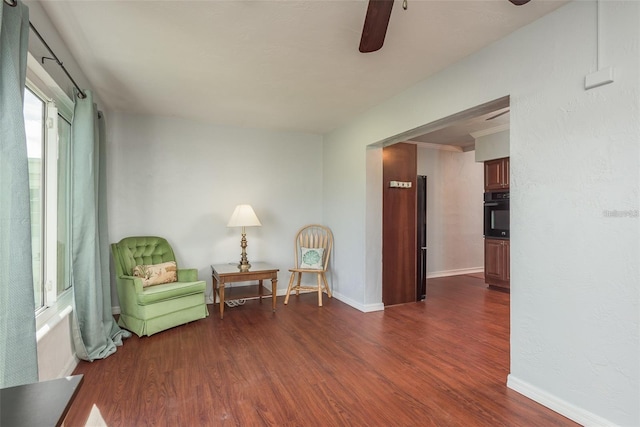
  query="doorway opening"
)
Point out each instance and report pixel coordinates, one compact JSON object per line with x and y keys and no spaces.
{"x":451,"y":136}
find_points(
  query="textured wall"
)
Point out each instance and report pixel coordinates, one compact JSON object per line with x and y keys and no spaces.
{"x":56,"y":356}
{"x":181,"y":179}
{"x":574,"y":276}
{"x":455,"y":185}
{"x":574,"y":161}
{"x":493,"y":146}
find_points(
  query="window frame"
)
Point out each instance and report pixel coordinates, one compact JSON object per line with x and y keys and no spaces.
{"x":34,"y":92}
{"x":50,"y":201}
{"x":58,"y":106}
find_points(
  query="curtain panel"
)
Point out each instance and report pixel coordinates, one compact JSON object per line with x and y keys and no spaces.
{"x":95,"y":332}
{"x":18,"y":346}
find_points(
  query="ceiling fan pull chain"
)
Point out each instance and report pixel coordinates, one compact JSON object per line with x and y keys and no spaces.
{"x":404,"y":4}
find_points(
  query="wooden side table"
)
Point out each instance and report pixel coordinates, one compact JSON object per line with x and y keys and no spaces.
{"x":229,"y":273}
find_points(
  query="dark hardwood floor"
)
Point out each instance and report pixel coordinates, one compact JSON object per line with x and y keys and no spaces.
{"x":443,"y":362}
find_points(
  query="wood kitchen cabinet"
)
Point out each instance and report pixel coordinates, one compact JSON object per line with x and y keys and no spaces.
{"x":496,"y":174}
{"x":496,"y":263}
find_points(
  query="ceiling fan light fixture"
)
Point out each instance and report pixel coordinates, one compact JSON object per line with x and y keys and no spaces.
{"x":519,"y":2}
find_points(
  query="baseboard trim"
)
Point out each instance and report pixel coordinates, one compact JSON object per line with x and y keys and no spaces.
{"x":579,"y":415}
{"x":70,"y":366}
{"x":365,"y":308}
{"x":456,"y":272}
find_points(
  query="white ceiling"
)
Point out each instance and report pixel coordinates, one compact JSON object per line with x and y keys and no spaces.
{"x":461,"y":133}
{"x":285,"y":65}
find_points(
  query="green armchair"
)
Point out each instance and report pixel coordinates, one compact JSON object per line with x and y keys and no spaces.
{"x":147,"y":310}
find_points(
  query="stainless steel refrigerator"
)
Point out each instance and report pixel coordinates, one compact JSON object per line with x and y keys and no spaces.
{"x":421,"y":228}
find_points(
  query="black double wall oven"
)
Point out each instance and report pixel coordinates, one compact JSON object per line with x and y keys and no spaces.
{"x":496,"y":214}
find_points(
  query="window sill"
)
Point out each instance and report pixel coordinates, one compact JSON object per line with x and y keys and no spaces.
{"x":48,"y":318}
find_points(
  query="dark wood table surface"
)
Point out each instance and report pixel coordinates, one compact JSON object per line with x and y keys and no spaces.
{"x":39,"y":404}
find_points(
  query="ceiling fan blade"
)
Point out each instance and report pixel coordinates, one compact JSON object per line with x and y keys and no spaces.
{"x":519,"y":2}
{"x":375,"y":25}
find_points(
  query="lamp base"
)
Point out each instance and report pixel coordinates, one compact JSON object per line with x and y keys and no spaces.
{"x":244,"y":262}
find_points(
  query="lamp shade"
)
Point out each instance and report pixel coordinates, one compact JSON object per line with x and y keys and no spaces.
{"x":243,"y":216}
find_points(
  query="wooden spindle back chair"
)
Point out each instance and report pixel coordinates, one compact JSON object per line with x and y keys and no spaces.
{"x":308,"y":240}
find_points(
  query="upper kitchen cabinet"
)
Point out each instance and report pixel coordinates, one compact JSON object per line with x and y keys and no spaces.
{"x":496,"y":174}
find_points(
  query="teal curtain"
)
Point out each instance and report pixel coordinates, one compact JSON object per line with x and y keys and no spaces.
{"x":96,"y":334}
{"x":18,"y":347}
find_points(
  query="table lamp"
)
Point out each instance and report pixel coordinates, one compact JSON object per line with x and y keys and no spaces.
{"x":244,"y":216}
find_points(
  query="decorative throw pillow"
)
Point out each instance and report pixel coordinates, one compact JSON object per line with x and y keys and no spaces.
{"x":311,"y":258}
{"x":156,"y":274}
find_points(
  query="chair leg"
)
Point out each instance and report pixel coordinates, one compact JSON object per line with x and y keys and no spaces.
{"x":319,"y":290}
{"x":326,"y":285}
{"x":286,"y":299}
{"x":299,"y":282}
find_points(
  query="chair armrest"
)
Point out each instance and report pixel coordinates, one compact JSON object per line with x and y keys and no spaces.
{"x":132,"y":282}
{"x":187,"y":275}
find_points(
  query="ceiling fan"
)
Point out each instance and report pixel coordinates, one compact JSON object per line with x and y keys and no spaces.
{"x":376,"y":22}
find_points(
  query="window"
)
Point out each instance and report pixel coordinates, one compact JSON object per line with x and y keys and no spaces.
{"x":63,"y":248}
{"x":48,"y":152}
{"x":34,"y":126}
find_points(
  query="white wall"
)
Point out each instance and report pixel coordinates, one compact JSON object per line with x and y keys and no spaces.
{"x":56,"y":355}
{"x":455,"y":185}
{"x":493,"y":146}
{"x":39,"y":18}
{"x":181,"y":179}
{"x":574,"y":153}
{"x":373,"y":223}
